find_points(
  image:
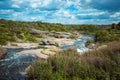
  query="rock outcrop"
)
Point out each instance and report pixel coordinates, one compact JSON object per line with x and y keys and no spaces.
{"x":3,"y":52}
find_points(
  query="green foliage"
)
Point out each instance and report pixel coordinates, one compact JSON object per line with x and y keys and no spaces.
{"x":102,"y":36}
{"x":72,"y":37}
{"x":56,"y":44}
{"x":89,"y":41}
{"x":42,"y":47}
{"x":69,"y":65}
{"x":32,"y":38}
{"x":115,"y":26}
{"x":13,"y":30}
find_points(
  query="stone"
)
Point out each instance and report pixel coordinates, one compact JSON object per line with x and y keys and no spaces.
{"x":34,"y":31}
{"x":91,"y":46}
{"x":48,"y":52}
{"x":102,"y":47}
{"x":36,"y":52}
{"x":3,"y":53}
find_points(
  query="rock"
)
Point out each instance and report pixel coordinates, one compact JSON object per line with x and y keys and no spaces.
{"x":3,"y":52}
{"x":91,"y":46}
{"x":59,"y":36}
{"x":18,"y":40}
{"x":48,"y":52}
{"x":14,"y":44}
{"x":50,"y":43}
{"x":36,"y":52}
{"x":47,"y":42}
{"x":34,"y":31}
{"x":21,"y":35}
{"x":43,"y":43}
{"x":28,"y":68}
{"x":102,"y":47}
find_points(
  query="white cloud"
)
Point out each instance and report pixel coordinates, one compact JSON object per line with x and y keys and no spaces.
{"x":6,"y":11}
{"x":42,"y":3}
{"x":62,"y":11}
{"x":15,"y":6}
{"x":117,"y":14}
{"x":92,"y":14}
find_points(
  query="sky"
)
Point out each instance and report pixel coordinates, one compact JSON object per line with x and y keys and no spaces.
{"x":62,"y":11}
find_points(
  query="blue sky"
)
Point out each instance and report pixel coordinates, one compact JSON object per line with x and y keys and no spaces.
{"x":62,"y":11}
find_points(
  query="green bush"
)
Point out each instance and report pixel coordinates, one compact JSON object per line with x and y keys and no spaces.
{"x":42,"y":47}
{"x":102,"y":36}
{"x":56,"y":44}
{"x":69,"y":65}
{"x":89,"y":41}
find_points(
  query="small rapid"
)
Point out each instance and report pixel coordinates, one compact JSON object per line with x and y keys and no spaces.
{"x":80,"y":43}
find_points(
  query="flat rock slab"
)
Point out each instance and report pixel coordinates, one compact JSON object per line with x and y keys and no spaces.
{"x":61,"y":41}
{"x":36,"y":52}
{"x":21,"y":45}
{"x":48,"y":52}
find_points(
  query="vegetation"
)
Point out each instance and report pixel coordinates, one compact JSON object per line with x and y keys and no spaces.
{"x":102,"y":36}
{"x":106,"y":36}
{"x":12,"y":31}
{"x":42,"y":47}
{"x":89,"y":41}
{"x":56,"y":44}
{"x":69,"y":65}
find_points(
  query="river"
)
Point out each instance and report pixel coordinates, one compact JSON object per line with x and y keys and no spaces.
{"x":80,"y":43}
{"x":14,"y":65}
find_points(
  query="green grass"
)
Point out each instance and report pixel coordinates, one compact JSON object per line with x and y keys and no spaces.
{"x":42,"y":47}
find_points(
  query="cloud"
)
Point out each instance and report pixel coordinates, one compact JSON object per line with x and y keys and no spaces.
{"x":106,"y":5}
{"x":62,"y":11}
{"x":115,"y":15}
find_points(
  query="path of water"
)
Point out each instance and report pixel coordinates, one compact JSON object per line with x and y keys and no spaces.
{"x":80,"y":43}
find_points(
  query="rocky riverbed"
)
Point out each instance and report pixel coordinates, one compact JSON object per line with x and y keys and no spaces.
{"x":21,"y":55}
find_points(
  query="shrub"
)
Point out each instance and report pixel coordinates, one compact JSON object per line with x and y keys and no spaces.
{"x":56,"y":44}
{"x":69,"y":65}
{"x":89,"y":41}
{"x":42,"y":47}
{"x":102,"y":36}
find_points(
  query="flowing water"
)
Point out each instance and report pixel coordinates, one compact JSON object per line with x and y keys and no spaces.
{"x":80,"y":43}
{"x":14,"y":65}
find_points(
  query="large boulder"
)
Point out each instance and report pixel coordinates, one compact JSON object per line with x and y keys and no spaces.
{"x":3,"y":52}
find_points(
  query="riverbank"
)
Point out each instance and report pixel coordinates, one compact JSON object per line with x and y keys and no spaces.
{"x":48,"y":45}
{"x":3,"y":53}
{"x":96,"y":65}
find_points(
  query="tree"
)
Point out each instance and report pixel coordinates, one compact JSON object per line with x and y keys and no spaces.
{"x":113,"y":26}
{"x":118,"y":26}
